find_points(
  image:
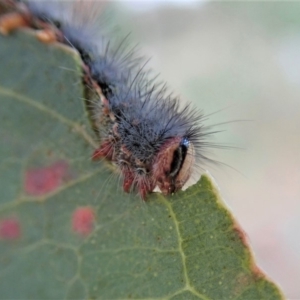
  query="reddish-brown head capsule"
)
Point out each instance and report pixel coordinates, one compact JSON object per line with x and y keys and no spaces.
{"x":173,"y":164}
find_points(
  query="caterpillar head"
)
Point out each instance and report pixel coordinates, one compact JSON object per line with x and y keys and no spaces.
{"x":173,"y":164}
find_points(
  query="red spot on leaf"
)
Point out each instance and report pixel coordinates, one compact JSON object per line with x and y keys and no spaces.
{"x":44,"y":180}
{"x":83,"y":220}
{"x":10,"y":229}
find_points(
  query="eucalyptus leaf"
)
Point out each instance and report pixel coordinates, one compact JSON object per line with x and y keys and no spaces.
{"x":67,"y":230}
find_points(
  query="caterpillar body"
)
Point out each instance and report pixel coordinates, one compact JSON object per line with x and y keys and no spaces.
{"x":141,"y":127}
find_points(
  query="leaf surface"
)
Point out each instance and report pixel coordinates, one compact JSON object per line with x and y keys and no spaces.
{"x":67,"y":231}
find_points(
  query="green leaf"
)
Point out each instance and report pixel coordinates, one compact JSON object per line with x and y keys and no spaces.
{"x":66,"y":228}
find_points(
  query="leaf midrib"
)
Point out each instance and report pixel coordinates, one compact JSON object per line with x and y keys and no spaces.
{"x":188,"y":285}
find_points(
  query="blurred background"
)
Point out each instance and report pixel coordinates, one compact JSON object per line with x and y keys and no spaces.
{"x":243,"y":60}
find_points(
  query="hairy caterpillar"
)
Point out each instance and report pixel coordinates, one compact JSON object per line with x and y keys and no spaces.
{"x":141,"y":127}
